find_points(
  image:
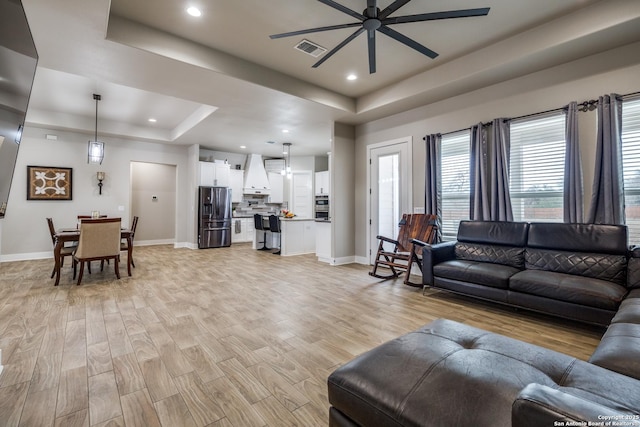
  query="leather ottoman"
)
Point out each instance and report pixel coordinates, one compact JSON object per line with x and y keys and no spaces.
{"x":450,"y":374}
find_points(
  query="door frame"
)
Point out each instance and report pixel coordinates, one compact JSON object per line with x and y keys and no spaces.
{"x":408,"y":164}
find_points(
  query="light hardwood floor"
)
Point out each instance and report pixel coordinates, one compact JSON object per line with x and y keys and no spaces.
{"x":217,"y":337}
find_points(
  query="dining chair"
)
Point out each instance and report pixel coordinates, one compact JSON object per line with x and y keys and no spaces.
{"x":99,"y":241}
{"x":64,"y":252}
{"x":124,"y":245}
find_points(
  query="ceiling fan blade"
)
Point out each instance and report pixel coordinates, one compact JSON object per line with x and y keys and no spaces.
{"x":337,"y":48}
{"x":392,"y":8}
{"x":315,"y":30}
{"x":371,"y":36}
{"x":372,"y":9}
{"x":407,"y":41}
{"x":343,"y":9}
{"x":463,"y":13}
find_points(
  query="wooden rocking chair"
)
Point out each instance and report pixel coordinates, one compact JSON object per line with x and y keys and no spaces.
{"x":404,"y":254}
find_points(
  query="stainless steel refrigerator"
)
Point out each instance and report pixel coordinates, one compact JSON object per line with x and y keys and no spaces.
{"x":214,"y":217}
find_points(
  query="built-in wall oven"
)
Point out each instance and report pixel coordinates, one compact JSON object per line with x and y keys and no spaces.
{"x":322,"y":207}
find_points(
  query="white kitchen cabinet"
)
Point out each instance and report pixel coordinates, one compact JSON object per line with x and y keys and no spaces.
{"x":322,"y":183}
{"x":323,"y":241}
{"x":237,"y":230}
{"x":214,"y":174}
{"x":276,"y":181}
{"x":207,"y":174}
{"x":249,"y":229}
{"x":236,"y":182}
{"x":245,"y":232}
{"x":222,"y":174}
{"x":298,"y":236}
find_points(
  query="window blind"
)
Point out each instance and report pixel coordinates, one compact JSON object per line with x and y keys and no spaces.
{"x":631,"y":166}
{"x":455,"y":183}
{"x":536,"y":167}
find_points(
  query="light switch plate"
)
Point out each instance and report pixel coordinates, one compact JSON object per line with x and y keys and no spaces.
{"x":121,"y":208}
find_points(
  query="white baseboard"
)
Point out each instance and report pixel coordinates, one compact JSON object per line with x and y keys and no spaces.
{"x":26,"y":256}
{"x":343,"y":260}
{"x":362,"y":260}
{"x":154,"y":242}
{"x":187,"y":245}
{"x":337,"y":261}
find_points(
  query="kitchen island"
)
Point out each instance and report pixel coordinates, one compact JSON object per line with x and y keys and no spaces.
{"x":297,"y":237}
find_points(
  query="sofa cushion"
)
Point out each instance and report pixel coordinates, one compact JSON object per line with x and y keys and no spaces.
{"x":619,"y":349}
{"x":506,"y":255}
{"x":629,"y":311}
{"x":599,"y":266}
{"x":493,"y":232}
{"x":596,"y":238}
{"x":482,"y":273}
{"x":569,"y":288}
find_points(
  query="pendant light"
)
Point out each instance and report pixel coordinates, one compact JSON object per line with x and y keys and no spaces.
{"x":96,"y":148}
{"x":286,"y":151}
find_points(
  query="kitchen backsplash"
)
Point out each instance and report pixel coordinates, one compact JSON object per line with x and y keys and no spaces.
{"x":256,"y":204}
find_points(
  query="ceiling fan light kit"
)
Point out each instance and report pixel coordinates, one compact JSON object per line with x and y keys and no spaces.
{"x":373,"y":19}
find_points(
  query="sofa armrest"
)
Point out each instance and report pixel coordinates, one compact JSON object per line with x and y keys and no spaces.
{"x":432,"y":255}
{"x":633,"y":268}
{"x":539,"y":405}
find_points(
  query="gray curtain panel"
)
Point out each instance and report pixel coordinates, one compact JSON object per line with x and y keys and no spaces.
{"x":572,"y":195}
{"x":479,"y":203}
{"x":607,"y":203}
{"x":500,"y":148}
{"x":432,"y":179}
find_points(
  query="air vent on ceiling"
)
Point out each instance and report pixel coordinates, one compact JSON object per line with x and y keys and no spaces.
{"x":310,"y":48}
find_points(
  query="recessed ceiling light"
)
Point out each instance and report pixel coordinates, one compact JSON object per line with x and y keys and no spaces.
{"x":285,"y":130}
{"x":152,"y":120}
{"x":352,"y":77}
{"x":243,"y":146}
{"x":194,"y":11}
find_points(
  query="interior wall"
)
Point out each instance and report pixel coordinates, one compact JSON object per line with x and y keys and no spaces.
{"x":549,"y":89}
{"x":153,"y":200}
{"x":25,"y":233}
{"x":343,"y":193}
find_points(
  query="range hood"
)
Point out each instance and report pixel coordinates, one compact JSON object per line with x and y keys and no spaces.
{"x":255,"y":176}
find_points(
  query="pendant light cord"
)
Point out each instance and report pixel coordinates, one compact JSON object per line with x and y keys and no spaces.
{"x":97,"y":98}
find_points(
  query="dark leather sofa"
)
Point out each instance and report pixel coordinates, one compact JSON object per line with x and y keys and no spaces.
{"x":577,"y":271}
{"x":450,"y":374}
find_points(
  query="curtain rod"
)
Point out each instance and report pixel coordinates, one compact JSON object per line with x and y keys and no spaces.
{"x":589,"y":105}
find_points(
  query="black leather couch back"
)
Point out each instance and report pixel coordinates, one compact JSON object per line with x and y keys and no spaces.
{"x":595,"y":238}
{"x":493,"y":232}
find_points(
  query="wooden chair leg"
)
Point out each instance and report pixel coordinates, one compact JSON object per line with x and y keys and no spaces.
{"x":116,"y":263}
{"x":75,"y":265}
{"x":416,"y":260}
{"x":81,"y":272}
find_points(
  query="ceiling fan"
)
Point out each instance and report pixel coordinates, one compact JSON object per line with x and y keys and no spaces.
{"x":373,"y":19}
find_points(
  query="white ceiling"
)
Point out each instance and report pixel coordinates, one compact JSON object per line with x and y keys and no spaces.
{"x":221,"y":82}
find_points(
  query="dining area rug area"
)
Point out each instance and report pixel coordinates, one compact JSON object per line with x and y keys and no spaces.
{"x":215,"y":337}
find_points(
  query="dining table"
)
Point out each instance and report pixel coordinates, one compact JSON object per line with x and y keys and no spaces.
{"x":65,"y":235}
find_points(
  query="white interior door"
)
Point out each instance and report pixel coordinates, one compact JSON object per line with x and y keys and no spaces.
{"x":390,"y":194}
{"x":302,"y":194}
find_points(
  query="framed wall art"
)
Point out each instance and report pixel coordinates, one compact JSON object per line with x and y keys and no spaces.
{"x":49,"y":183}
